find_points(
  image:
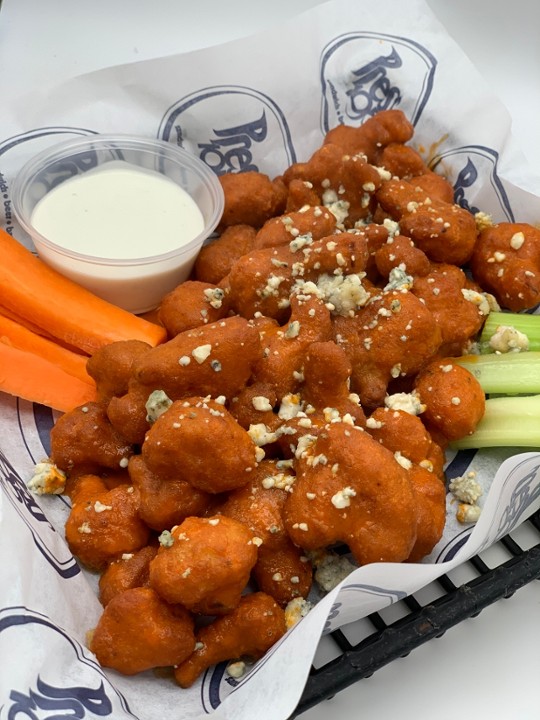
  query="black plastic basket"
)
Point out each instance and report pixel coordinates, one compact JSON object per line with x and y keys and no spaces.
{"x":424,"y":622}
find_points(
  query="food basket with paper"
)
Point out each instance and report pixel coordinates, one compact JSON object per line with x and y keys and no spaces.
{"x":290,"y":441}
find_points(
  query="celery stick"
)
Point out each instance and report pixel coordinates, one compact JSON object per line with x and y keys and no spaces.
{"x":507,"y":422}
{"x":507,"y":373}
{"x":527,"y":324}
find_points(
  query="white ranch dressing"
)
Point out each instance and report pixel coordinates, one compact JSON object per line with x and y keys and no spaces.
{"x":118,"y":211}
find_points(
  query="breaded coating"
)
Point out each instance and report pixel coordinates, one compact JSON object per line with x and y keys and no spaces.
{"x":445,"y":232}
{"x":254,"y":404}
{"x":204,"y":564}
{"x":251,"y":198}
{"x":191,"y":304}
{"x":317,"y":222}
{"x":350,"y":488}
{"x":182,"y":444}
{"x":458,"y":311}
{"x":369,"y":139}
{"x":128,"y":415}
{"x":400,"y":431}
{"x":111,"y":365}
{"x":435,"y":186}
{"x":216,"y":259}
{"x":323,"y":389}
{"x":281,"y":570}
{"x":130,"y":571}
{"x":105,"y":524}
{"x":201,"y":361}
{"x":506,"y":262}
{"x":139,"y":631}
{"x":301,"y":193}
{"x":454,"y":399}
{"x":249,"y":630}
{"x":430,"y":494}
{"x":400,"y":251}
{"x":165,"y":502}
{"x":393,"y":336}
{"x":346,"y":184}
{"x":84,"y":438}
{"x":402,"y":161}
{"x":284,"y":349}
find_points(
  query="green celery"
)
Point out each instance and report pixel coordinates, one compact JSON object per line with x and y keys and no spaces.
{"x":527,"y":324}
{"x":507,"y":373}
{"x":507,"y":422}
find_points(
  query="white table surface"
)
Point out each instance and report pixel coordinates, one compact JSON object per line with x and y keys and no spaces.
{"x":484,"y":668}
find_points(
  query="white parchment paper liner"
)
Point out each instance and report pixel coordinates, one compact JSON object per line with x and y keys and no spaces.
{"x":261,"y":102}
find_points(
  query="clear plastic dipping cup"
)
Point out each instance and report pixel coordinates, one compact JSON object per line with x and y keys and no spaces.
{"x":135,"y":283}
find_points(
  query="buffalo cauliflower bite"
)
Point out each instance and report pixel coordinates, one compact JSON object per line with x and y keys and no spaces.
{"x":251,"y":198}
{"x":454,"y":399}
{"x":84,"y":440}
{"x":129,"y":571}
{"x":204,"y":564}
{"x":139,"y":631}
{"x":370,"y":138}
{"x":111,"y":367}
{"x":104,"y":524}
{"x":506,"y":262}
{"x":165,"y":502}
{"x":281,"y":569}
{"x":191,"y":304}
{"x":349,"y":488}
{"x":182,"y":444}
{"x":316,"y":222}
{"x":216,"y":259}
{"x":400,"y":251}
{"x":458,"y":310}
{"x":444,"y":231}
{"x":346,"y":184}
{"x":249,"y":630}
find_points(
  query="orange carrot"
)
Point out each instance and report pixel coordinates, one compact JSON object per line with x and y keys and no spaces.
{"x":34,"y":292}
{"x":18,"y":336}
{"x":32,"y":378}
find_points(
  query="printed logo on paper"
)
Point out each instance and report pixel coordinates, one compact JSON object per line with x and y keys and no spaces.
{"x":231,"y":128}
{"x":526,"y":492}
{"x":363,"y":73}
{"x":71,"y":685}
{"x":43,"y":533}
{"x":473,"y":170}
{"x":14,"y":152}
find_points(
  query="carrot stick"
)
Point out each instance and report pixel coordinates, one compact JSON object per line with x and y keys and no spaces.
{"x":20,"y":337}
{"x":33,"y":291}
{"x":32,"y":378}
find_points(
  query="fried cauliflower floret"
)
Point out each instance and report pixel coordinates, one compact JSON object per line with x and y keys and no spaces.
{"x":139,"y":631}
{"x":251,"y":198}
{"x":445,"y":232}
{"x":387,"y":126}
{"x":445,"y":292}
{"x":401,"y":251}
{"x":205,"y":565}
{"x":104,"y":524}
{"x":454,"y":399}
{"x":248,"y":631}
{"x":317,"y":222}
{"x":506,"y":262}
{"x":164,"y":503}
{"x":284,"y":348}
{"x":130,"y":571}
{"x":201,"y":361}
{"x":281,"y":569}
{"x":405,"y":435}
{"x":254,"y":404}
{"x":402,"y":161}
{"x":323,"y":389}
{"x":182,"y":444}
{"x":391,"y":337}
{"x":299,"y":194}
{"x":84,"y":439}
{"x":216,"y":259}
{"x":111,"y":366}
{"x":345,"y":183}
{"x":434,"y":186}
{"x":191,"y":304}
{"x":350,"y":488}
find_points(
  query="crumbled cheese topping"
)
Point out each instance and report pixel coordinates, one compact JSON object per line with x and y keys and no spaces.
{"x":508,"y":339}
{"x":407,"y":402}
{"x":296,"y":609}
{"x":330,"y":569}
{"x":214,"y":297}
{"x":166,"y":539}
{"x":201,"y":352}
{"x":468,"y":513}
{"x":398,"y":279}
{"x":47,"y":479}
{"x":342,"y":294}
{"x":158,"y":402}
{"x":483,"y":221}
{"x":236,"y":669}
{"x":342,"y":498}
{"x":484,"y":301}
{"x":99,"y":507}
{"x":517,"y":240}
{"x":261,"y":403}
{"x":466,"y":488}
{"x":261,"y":435}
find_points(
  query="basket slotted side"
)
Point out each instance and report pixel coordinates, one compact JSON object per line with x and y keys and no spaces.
{"x":423,"y":622}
